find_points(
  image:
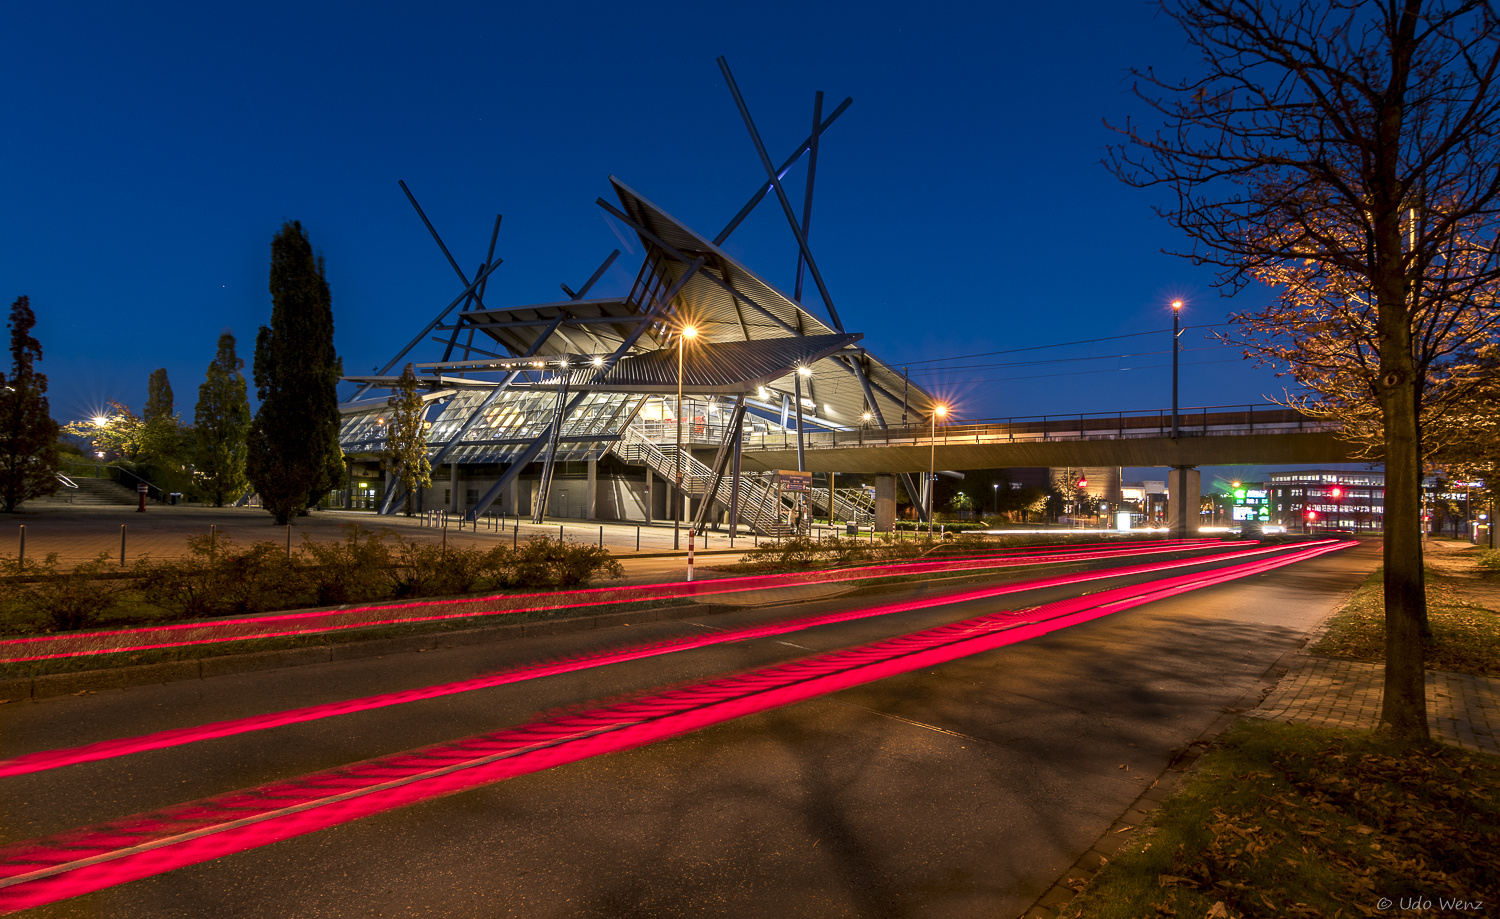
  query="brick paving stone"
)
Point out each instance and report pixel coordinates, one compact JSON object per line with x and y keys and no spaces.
{"x":1462,"y":710}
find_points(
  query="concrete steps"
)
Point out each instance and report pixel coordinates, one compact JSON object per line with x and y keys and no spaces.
{"x":92,"y":492}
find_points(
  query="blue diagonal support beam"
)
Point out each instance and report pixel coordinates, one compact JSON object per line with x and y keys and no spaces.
{"x":786,"y":204}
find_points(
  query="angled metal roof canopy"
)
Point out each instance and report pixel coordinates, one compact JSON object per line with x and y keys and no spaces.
{"x":565,"y":379}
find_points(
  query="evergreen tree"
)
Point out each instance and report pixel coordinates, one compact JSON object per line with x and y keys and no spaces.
{"x":294,"y":456}
{"x":222,"y":426}
{"x":159,"y":401}
{"x":405,"y":451}
{"x":28,"y":435}
{"x":164,"y":439}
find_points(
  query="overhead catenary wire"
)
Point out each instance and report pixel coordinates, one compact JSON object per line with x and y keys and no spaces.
{"x":1063,"y":344}
{"x":1060,"y":360}
{"x":1074,"y":373}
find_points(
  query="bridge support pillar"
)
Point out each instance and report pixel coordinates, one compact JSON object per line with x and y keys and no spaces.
{"x":885,"y":503}
{"x":1184,"y":488}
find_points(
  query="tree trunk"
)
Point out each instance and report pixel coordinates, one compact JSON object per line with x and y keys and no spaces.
{"x":1404,"y":711}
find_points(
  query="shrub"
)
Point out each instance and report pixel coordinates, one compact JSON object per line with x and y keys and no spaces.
{"x":351,"y":571}
{"x":46,"y":597}
{"x":791,"y":552}
{"x":220,"y":578}
{"x":427,"y":570}
{"x":544,"y":562}
{"x":1490,"y":559}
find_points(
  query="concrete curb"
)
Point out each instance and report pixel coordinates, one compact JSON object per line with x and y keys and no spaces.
{"x":23,"y":689}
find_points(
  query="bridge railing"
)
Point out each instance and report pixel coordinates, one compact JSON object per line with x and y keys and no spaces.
{"x":1201,"y":421}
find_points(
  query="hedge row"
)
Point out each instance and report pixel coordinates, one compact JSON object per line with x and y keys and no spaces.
{"x":222,"y":578}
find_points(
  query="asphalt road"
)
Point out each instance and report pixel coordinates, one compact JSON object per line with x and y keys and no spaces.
{"x":962,"y":790}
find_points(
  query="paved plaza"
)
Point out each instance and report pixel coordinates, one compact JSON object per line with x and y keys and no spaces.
{"x":77,"y":534}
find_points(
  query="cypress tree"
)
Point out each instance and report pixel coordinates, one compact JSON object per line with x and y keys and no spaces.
{"x":163,"y":439}
{"x":159,"y":401}
{"x":28,"y":435}
{"x":222,"y":426}
{"x":294,"y":456}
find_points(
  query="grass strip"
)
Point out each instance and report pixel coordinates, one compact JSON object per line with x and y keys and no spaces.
{"x":1281,"y":820}
{"x":1465,"y":634}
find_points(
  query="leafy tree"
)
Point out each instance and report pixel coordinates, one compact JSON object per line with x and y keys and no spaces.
{"x":28,"y":435}
{"x":405,"y":451}
{"x":120,"y":434}
{"x":222,"y":425}
{"x":1345,"y":152}
{"x":294,"y":456}
{"x":1471,"y":451}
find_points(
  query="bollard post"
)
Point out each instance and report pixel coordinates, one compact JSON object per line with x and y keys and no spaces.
{"x":122,"y":545}
{"x":559,"y":532}
{"x":515,"y":535}
{"x":289,"y":542}
{"x":21,"y":556}
{"x":601,"y":537}
{"x":637,"y":539}
{"x":212,"y":540}
{"x":690,"y":556}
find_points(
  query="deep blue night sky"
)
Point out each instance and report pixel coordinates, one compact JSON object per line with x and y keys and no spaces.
{"x":154,"y":149}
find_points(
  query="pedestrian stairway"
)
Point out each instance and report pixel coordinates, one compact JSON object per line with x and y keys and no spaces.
{"x":854,"y":505}
{"x":759,"y":506}
{"x":90,"y":492}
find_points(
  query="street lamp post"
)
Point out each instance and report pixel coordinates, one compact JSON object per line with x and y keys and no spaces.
{"x":996,"y":505}
{"x":1176,"y":311}
{"x":682,"y":339}
{"x":938,"y":411}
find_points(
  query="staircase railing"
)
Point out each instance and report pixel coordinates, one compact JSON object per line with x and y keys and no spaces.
{"x":757,"y":506}
{"x":116,"y":474}
{"x":844,"y":508}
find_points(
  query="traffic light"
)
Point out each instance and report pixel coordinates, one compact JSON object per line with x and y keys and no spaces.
{"x":1312,"y":515}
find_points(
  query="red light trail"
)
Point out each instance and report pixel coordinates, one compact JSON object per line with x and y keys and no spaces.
{"x":177,"y":635}
{"x":80,"y":861}
{"x":108,"y":749}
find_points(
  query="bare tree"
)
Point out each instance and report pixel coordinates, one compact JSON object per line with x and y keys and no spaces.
{"x":1357,"y":140}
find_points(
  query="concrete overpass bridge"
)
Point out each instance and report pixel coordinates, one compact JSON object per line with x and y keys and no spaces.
{"x":1210,"y":436}
{"x":1206,"y":436}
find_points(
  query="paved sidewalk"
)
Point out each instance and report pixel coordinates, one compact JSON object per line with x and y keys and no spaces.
{"x":82,"y":533}
{"x":1462,"y":710}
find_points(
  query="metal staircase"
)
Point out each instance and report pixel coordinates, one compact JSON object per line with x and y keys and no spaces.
{"x":853,"y":504}
{"x":759,"y":507}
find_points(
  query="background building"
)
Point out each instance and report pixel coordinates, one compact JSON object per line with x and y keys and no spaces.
{"x":1327,"y":499}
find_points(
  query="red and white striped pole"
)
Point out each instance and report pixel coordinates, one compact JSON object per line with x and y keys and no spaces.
{"x":690,"y":554}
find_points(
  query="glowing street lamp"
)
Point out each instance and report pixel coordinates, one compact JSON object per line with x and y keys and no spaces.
{"x":1176,"y":314}
{"x":682,"y":340}
{"x":938,"y":411}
